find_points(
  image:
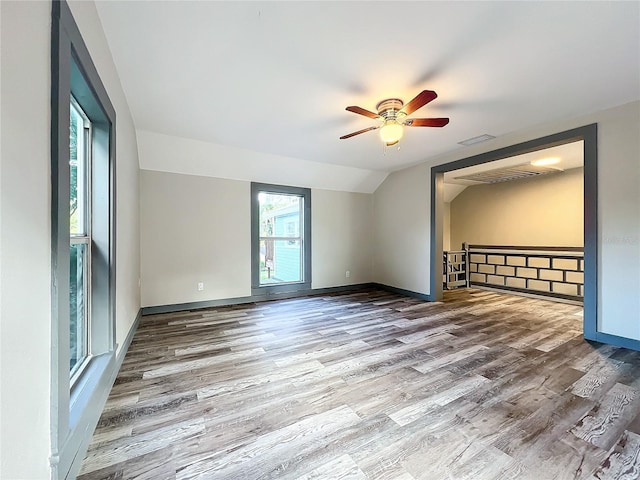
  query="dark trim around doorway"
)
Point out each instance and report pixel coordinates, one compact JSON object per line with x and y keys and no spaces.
{"x":589,"y":135}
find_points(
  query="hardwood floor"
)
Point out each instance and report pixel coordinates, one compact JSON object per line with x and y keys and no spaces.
{"x":371,"y":385}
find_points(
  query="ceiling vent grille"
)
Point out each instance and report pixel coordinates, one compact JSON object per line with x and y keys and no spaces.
{"x":479,"y":139}
{"x":506,"y":174}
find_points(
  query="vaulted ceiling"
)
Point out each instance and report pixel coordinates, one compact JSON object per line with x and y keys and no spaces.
{"x":275,"y":77}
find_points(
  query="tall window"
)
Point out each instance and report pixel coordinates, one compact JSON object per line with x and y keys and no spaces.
{"x":80,"y":236}
{"x":83,"y":200}
{"x":281,"y":238}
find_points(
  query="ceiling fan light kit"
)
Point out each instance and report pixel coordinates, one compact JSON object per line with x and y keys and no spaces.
{"x":393,"y":114}
{"x":391,"y":132}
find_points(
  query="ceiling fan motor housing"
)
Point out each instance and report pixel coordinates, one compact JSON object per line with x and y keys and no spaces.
{"x":388,"y":109}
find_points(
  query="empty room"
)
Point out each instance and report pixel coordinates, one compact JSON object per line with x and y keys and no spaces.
{"x":319,"y":240}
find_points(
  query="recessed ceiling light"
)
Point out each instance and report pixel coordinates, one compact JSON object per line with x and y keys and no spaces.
{"x":545,"y":162}
{"x":478,"y":139}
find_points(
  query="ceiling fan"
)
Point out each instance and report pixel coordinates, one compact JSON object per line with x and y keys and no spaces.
{"x":393,"y":113}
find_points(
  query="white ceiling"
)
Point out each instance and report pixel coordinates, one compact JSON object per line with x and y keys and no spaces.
{"x":275,"y":77}
{"x":569,"y":156}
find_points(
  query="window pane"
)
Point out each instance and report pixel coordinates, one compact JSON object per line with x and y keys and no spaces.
{"x":77,"y":172}
{"x":79,"y":208}
{"x":276,"y":212}
{"x":280,"y":260}
{"x":78,"y":305}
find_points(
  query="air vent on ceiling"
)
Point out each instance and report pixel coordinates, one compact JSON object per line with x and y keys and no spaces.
{"x":509,"y":173}
{"x":479,"y":139}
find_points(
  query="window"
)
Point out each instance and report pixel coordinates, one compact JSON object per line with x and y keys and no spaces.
{"x":80,"y":139}
{"x":83,"y":217}
{"x":83,"y":126}
{"x":281,"y":239}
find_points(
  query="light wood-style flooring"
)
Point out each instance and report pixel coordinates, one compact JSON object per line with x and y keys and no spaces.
{"x":371,"y":385}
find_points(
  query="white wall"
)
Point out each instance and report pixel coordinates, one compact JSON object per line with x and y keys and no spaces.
{"x":619,"y":221}
{"x":197,"y":229}
{"x":159,"y":152}
{"x":401,"y":224}
{"x":25,"y":278}
{"x":341,"y":231}
{"x":546,"y":210}
{"x":446,"y":228}
{"x":619,"y":216}
{"x":194,"y":229}
{"x":25,"y":282}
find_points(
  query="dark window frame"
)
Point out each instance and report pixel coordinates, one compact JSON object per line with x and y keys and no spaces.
{"x":73,"y":407}
{"x":258,"y":290}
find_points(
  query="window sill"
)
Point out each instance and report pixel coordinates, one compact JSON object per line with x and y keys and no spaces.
{"x":87,"y":384}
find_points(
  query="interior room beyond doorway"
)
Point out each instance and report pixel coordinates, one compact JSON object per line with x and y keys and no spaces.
{"x":517,"y":224}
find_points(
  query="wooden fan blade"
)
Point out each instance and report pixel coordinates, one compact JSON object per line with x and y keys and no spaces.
{"x":421,"y":100}
{"x":362,"y":111}
{"x":426,"y":122}
{"x":358,"y":132}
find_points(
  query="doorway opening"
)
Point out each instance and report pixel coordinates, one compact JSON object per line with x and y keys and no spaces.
{"x":516,"y":225}
{"x":486,"y":262}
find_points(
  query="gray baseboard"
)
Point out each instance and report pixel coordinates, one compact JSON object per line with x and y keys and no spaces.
{"x":182,"y":307}
{"x":615,"y":340}
{"x":126,"y":344}
{"x":402,"y":291}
